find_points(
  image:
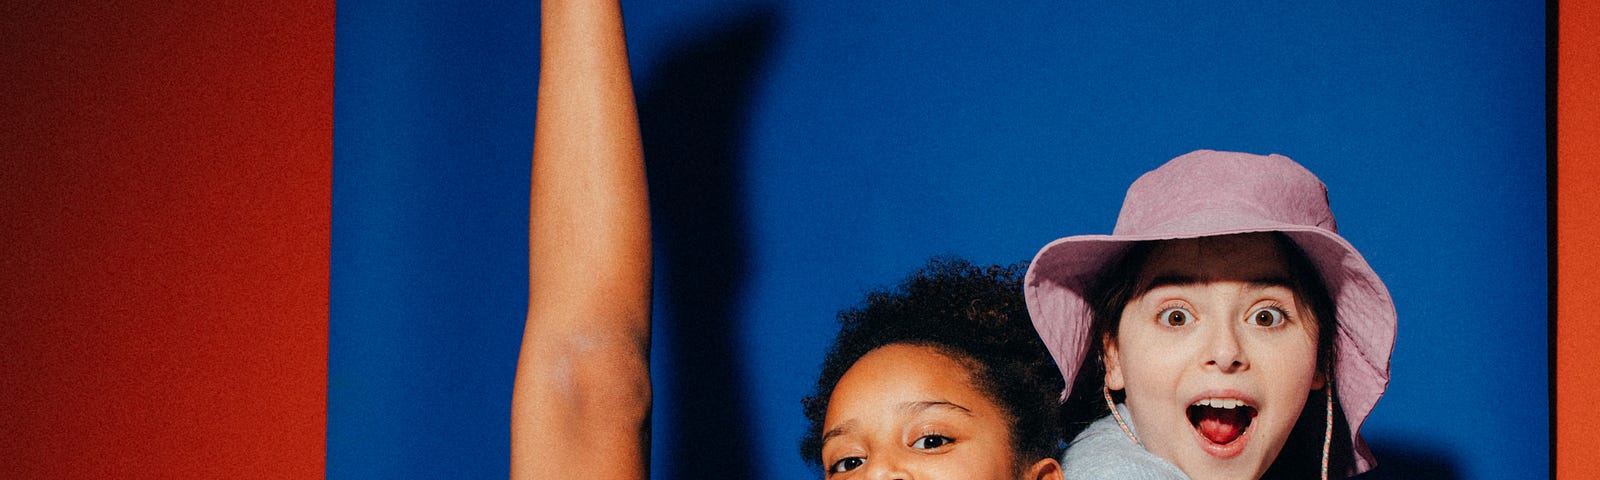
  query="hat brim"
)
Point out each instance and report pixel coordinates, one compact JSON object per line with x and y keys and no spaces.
{"x":1061,"y":273}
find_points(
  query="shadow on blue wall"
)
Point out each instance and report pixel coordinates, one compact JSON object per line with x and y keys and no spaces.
{"x":1406,"y":459}
{"x":692,"y":116}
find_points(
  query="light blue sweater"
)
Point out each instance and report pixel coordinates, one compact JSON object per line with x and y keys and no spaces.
{"x":1103,"y":451}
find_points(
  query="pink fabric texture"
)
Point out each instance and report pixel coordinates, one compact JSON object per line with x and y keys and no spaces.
{"x":1208,"y":193}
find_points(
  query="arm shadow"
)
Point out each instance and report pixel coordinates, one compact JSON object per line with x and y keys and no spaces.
{"x":693,"y":116}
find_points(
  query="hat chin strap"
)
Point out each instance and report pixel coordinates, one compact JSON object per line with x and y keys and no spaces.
{"x":1327,"y":430}
{"x":1106,"y":392}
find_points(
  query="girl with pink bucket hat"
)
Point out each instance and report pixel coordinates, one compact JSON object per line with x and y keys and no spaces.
{"x":1223,"y":330}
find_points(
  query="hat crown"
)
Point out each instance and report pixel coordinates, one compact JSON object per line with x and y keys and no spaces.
{"x":1206,"y":191}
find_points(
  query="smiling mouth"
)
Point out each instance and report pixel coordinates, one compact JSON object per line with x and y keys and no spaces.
{"x":1221,"y":420}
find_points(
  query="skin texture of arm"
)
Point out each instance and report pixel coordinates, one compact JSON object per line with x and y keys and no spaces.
{"x":582,"y":398}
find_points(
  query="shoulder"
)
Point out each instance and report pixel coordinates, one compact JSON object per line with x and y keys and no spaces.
{"x":1103,"y":452}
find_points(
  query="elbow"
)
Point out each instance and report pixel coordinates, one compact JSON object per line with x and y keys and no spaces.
{"x":604,"y":379}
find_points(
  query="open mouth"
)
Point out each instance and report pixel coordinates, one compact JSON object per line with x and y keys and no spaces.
{"x":1221,"y":420}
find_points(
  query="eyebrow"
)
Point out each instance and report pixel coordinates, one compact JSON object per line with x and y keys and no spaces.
{"x":906,"y":409}
{"x":839,"y":430}
{"x":915,"y":407}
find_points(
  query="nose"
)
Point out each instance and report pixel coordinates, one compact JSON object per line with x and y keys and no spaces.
{"x":886,"y":467}
{"x":1224,"y":351}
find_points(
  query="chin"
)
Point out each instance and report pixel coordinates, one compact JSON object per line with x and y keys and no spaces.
{"x":1202,"y":466}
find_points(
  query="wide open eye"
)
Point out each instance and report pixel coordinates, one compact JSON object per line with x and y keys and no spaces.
{"x":928,"y":442}
{"x":846,"y":464}
{"x":1268,"y":317}
{"x":1175,"y":317}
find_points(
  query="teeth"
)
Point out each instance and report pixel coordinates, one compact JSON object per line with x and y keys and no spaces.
{"x":1226,"y":403}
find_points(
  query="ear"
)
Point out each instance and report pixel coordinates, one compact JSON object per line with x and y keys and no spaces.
{"x":1319,"y":380}
{"x":1047,"y":469}
{"x":1113,"y":363}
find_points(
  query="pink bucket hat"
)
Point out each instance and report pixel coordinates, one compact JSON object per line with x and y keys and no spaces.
{"x":1207,"y":193}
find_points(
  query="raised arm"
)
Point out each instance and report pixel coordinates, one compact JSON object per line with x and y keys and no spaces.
{"x":582,"y":395}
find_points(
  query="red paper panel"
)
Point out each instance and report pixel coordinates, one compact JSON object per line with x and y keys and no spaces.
{"x":1578,"y":220}
{"x":166,"y":186}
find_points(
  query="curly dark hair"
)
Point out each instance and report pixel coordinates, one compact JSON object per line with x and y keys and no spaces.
{"x":977,"y":316}
{"x":1301,"y":456}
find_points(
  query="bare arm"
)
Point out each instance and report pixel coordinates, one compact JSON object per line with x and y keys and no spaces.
{"x":582,"y":393}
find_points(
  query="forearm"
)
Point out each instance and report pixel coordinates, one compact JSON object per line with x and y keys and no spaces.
{"x":582,"y":388}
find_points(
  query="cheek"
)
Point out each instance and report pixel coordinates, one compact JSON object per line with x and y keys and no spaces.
{"x":992,"y":462}
{"x":1144,"y":359}
{"x":1305,"y":349}
{"x":1292,"y":359}
{"x":1137,"y":354}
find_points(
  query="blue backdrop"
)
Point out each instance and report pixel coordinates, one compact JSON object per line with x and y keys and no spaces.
{"x":803,"y":152}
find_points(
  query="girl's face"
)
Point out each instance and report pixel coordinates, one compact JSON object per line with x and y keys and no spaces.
{"x":1217,"y":357}
{"x":905,"y":411}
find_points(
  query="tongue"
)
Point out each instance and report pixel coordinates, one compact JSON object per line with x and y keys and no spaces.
{"x":1222,"y":425}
